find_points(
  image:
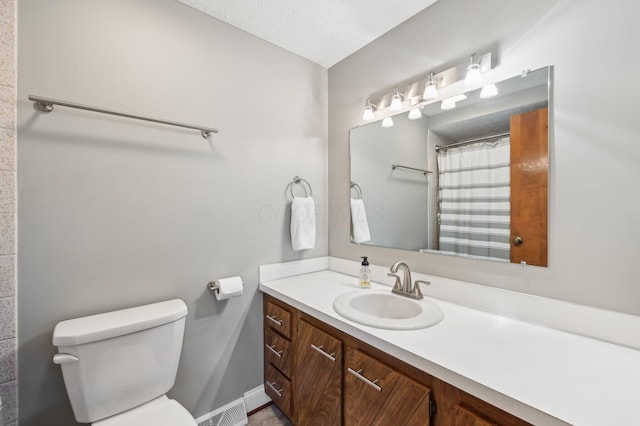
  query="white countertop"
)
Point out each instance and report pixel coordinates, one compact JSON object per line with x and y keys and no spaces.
{"x":536,"y":373}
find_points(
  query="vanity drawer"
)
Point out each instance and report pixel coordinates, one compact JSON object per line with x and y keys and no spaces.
{"x":277,"y":351}
{"x":278,"y":387}
{"x":278,"y":318}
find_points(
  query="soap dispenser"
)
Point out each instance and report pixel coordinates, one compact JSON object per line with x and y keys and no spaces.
{"x":365,"y":273}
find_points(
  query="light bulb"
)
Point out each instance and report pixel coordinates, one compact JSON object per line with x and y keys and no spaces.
{"x":431,"y":89}
{"x":458,"y":98}
{"x":368,"y":110}
{"x":415,"y":114}
{"x":396,"y":103}
{"x":387,"y":122}
{"x":448,"y":104}
{"x":368,"y":113}
{"x":489,"y":91}
{"x":396,"y":100}
{"x":474,"y":76}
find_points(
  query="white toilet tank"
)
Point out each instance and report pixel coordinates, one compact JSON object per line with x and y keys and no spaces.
{"x":119,"y":360}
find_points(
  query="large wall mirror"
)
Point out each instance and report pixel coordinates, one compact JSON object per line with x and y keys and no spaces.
{"x":469,"y":181}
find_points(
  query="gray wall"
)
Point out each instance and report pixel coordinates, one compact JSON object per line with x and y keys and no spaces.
{"x":398,"y":197}
{"x":115,"y":213}
{"x":594,"y":210}
{"x":8,"y":329}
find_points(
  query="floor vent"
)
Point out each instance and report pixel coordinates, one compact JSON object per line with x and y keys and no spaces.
{"x":232,"y":414}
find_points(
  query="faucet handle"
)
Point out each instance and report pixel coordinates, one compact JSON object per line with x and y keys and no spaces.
{"x":416,"y":288}
{"x":398,"y":284}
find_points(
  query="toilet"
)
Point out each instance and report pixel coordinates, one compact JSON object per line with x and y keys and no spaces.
{"x":118,"y":366}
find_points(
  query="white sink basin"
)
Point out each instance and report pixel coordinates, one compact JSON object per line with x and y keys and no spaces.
{"x":383,"y":309}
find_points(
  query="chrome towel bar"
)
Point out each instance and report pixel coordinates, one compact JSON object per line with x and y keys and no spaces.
{"x":399,"y":166}
{"x":46,"y":105}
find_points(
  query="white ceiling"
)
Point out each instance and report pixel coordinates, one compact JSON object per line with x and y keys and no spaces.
{"x":323,"y":31}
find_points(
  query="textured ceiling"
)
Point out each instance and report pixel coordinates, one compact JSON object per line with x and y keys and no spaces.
{"x":323,"y":31}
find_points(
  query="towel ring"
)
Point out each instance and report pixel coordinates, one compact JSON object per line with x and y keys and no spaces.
{"x":357,"y":188}
{"x":298,"y":181}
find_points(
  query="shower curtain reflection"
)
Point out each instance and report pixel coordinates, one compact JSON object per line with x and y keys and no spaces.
{"x":473,"y":198}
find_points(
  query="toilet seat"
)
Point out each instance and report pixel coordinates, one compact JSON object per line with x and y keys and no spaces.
{"x":161,"y":411}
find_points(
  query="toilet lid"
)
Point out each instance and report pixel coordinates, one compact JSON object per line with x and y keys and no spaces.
{"x":159,"y":412}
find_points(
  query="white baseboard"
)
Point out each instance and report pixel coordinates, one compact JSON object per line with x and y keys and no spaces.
{"x":256,"y":398}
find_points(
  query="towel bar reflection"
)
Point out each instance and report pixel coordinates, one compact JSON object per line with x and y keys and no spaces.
{"x":398,"y":166}
{"x":46,"y":105}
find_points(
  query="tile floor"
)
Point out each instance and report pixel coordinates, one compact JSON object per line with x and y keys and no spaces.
{"x":269,"y":416}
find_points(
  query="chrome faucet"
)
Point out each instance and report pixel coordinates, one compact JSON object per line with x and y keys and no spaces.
{"x":404,"y":287}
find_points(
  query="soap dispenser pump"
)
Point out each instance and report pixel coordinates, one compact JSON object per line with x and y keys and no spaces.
{"x":365,"y":273}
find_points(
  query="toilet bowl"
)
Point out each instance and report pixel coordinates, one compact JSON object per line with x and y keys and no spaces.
{"x":118,"y":366}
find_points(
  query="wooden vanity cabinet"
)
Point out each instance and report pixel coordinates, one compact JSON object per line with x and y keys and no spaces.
{"x":334,"y":379}
{"x":278,"y":354}
{"x":318,"y":381}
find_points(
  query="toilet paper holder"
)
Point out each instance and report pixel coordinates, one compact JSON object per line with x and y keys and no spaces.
{"x":226,"y":288}
{"x":213,"y":286}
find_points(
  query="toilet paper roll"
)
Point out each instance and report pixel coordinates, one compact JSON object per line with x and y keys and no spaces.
{"x":228,"y":287}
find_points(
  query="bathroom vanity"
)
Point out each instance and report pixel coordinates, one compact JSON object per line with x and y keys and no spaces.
{"x":472,"y":368}
{"x":317,"y":374}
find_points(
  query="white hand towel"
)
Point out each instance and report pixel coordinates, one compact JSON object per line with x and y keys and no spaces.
{"x":303,"y":223}
{"x":359,"y":225}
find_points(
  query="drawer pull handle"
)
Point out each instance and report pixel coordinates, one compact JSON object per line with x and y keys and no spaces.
{"x":358,"y":374}
{"x":276,"y":353}
{"x":273,"y":388}
{"x":274,"y":320}
{"x":331,"y":356}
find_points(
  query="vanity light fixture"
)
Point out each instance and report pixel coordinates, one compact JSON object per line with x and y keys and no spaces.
{"x":368,"y":110}
{"x":387,"y":122}
{"x":415,"y":113}
{"x":474,"y":75}
{"x":468,"y":72}
{"x":431,"y":89}
{"x":489,"y":91}
{"x":396,"y":100}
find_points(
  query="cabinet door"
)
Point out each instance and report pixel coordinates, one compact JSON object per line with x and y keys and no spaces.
{"x":376,"y":394}
{"x":318,"y":381}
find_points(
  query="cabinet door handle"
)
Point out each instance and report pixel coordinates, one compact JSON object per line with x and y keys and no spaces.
{"x":273,"y":388}
{"x":276,"y":353}
{"x":323,"y":353}
{"x":274,"y":320}
{"x":364,"y":379}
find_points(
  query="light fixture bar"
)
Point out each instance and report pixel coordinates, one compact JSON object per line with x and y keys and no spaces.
{"x":442,"y":79}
